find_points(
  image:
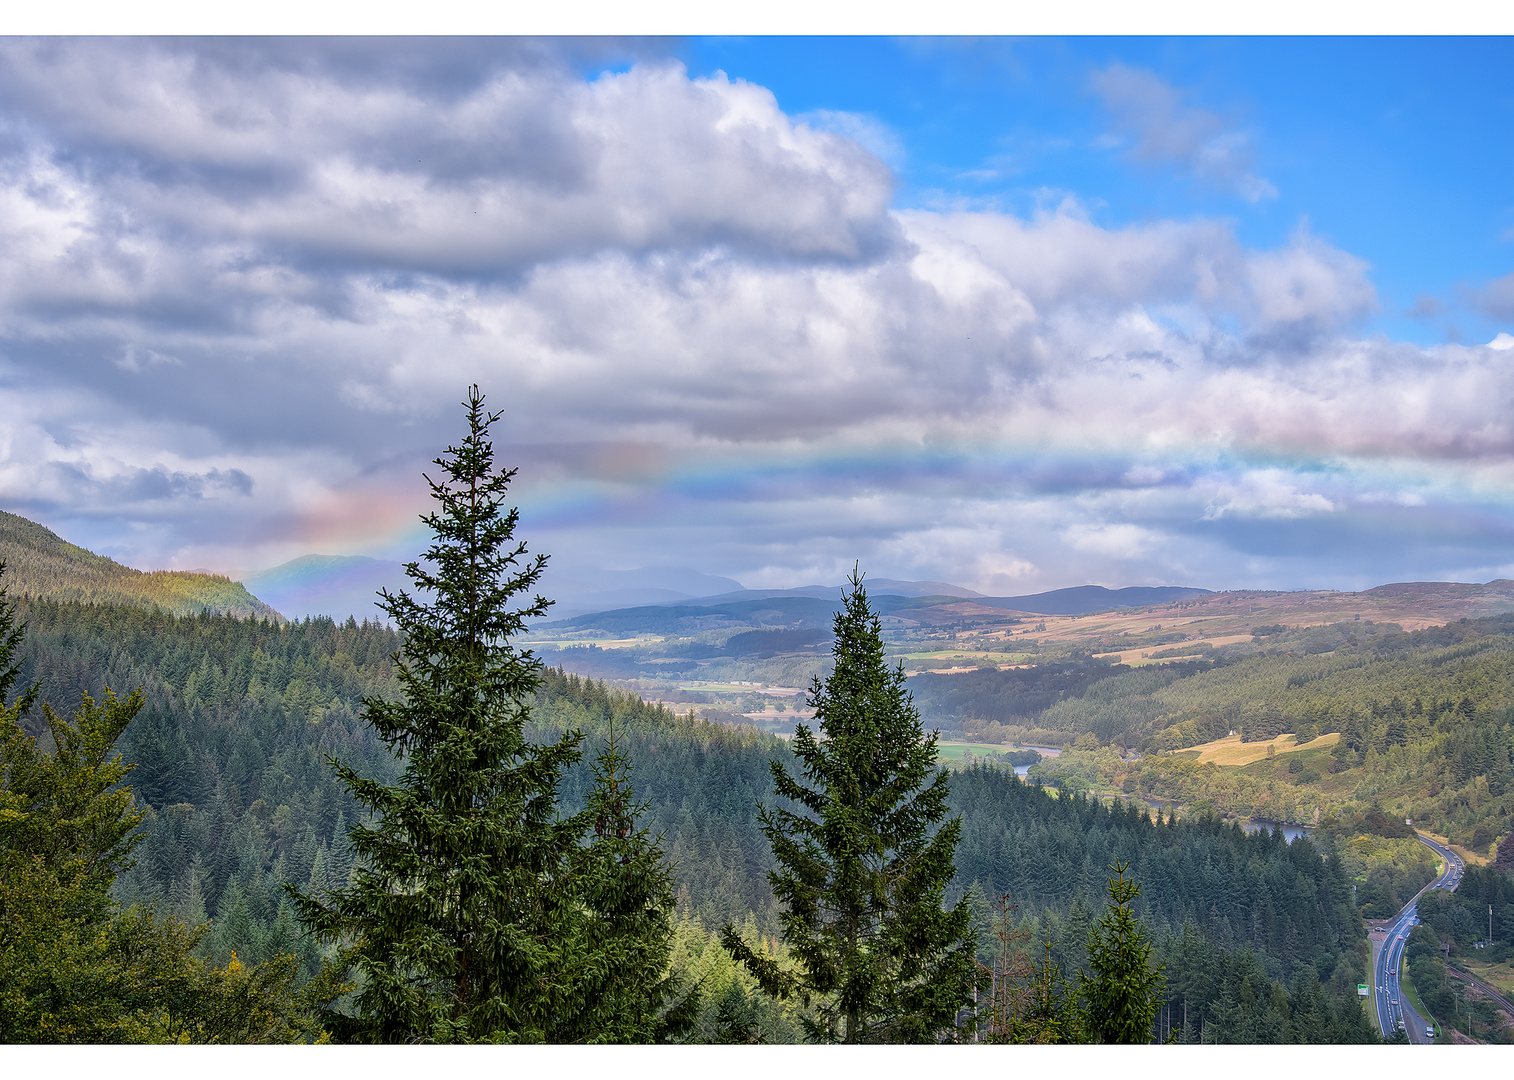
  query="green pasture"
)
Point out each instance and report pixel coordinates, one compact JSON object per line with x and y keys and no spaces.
{"x":956,"y":751}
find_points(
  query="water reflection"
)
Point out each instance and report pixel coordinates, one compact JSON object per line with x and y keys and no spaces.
{"x":1290,"y":832}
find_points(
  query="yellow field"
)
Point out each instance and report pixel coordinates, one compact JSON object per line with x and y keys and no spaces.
{"x":1134,"y":658}
{"x":1231,"y":751}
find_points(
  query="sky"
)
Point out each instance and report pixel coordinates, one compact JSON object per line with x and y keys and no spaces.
{"x":1017,"y":314}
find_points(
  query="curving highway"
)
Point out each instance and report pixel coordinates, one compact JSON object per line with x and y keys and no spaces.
{"x":1390,"y":1007}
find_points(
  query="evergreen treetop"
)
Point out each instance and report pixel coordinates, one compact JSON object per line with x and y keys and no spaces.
{"x":1122,"y":997}
{"x":454,"y":917}
{"x":862,"y":873}
{"x":477,"y":912}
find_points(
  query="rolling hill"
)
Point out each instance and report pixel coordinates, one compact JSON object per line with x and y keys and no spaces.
{"x":41,"y":564}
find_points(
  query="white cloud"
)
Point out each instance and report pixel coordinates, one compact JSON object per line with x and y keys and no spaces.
{"x":1119,"y":540}
{"x":1266,"y":493}
{"x":1309,"y":283}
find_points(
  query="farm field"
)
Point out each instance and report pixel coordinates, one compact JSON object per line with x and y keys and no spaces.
{"x":957,"y":751}
{"x":963,"y":654}
{"x":1140,"y":656}
{"x":1231,"y":751}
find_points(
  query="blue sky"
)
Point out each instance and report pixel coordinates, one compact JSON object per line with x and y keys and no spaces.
{"x":1391,"y":148}
{"x":1017,"y":314}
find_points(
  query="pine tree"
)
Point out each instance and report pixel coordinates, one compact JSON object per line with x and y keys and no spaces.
{"x":1124,"y":992}
{"x":455,"y":916}
{"x":11,"y":636}
{"x":625,"y":888}
{"x":862,"y":876}
{"x":735,"y":1019}
{"x":475,"y":910}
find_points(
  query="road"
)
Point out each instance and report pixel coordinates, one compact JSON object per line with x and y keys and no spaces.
{"x":1389,"y":1005}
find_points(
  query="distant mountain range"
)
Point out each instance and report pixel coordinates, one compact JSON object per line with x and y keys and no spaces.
{"x":39,"y":563}
{"x":579,"y":590}
{"x":1085,"y":598}
{"x":339,"y":586}
{"x":343,"y":585}
{"x":813,"y":606}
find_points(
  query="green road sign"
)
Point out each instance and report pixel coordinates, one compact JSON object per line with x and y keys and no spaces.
{"x":1361,"y":989}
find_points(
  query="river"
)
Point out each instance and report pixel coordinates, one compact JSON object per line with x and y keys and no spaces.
{"x":1290,"y":832}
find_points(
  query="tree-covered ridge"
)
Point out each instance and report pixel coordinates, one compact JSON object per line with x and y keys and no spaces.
{"x":1286,"y":901}
{"x":237,"y":720}
{"x":1252,"y":930}
{"x":239,"y":715}
{"x":41,"y":564}
{"x":1318,"y":675}
{"x":702,"y":782}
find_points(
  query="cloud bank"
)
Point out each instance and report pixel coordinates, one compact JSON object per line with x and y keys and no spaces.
{"x":243,"y":286}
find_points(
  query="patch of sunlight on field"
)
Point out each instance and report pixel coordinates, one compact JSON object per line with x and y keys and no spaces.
{"x":956,"y":751}
{"x":1231,"y":751}
{"x":1499,"y":976}
{"x":1471,"y":858}
{"x":603,"y":643}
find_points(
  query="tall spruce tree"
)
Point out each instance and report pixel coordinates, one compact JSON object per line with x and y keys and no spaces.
{"x":476,"y":911}
{"x":862,"y":875}
{"x":1125,"y":991}
{"x":457,"y":916}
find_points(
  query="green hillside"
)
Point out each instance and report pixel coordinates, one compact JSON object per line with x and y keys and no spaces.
{"x":40,"y":563}
{"x":240,"y":716}
{"x":1425,"y":724}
